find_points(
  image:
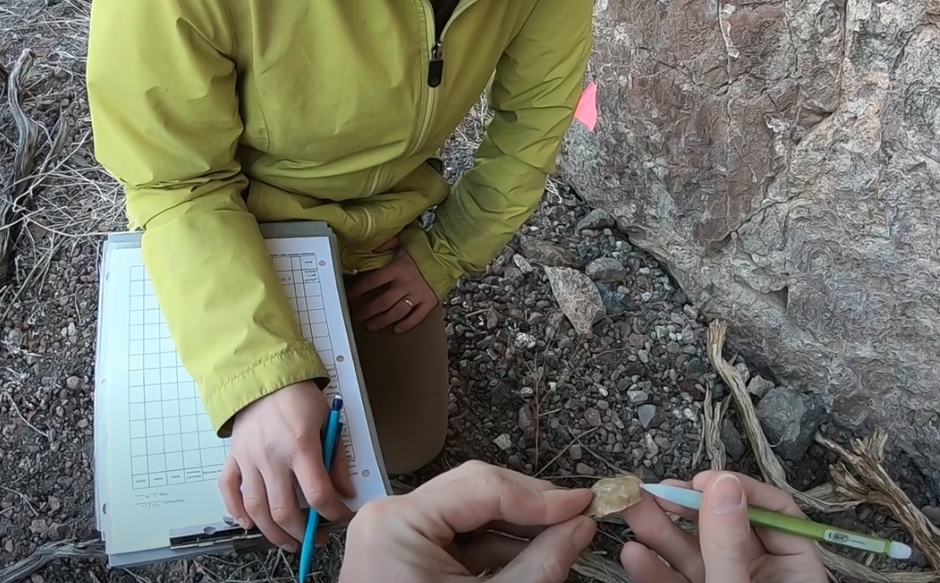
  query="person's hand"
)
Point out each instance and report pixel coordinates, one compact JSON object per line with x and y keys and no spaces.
{"x":727,"y":549}
{"x":412,"y":537}
{"x":275,"y":441}
{"x":396,"y":294}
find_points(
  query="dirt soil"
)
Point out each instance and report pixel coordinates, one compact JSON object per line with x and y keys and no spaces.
{"x":527,"y":391}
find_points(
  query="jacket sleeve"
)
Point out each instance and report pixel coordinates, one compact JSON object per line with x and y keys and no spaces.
{"x":165,"y":114}
{"x":535,"y":91}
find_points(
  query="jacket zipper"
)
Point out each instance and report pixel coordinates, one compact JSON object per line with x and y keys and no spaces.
{"x":435,"y":66}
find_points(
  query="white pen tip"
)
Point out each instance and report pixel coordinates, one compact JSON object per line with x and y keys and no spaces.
{"x":899,"y":551}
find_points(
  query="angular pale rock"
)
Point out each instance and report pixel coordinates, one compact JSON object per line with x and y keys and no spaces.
{"x":577,"y":296}
{"x":544,"y":253}
{"x":613,"y":495}
{"x":782,"y":159}
{"x":605,"y":269}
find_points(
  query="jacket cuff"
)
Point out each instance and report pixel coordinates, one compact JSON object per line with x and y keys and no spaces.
{"x":416,"y":242}
{"x":224,"y":400}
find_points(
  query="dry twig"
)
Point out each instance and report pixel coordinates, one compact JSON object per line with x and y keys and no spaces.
{"x":865,"y":458}
{"x":26,"y":146}
{"x":47,"y":553}
{"x":711,"y":430}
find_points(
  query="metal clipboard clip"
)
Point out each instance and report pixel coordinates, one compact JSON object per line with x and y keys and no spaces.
{"x":225,"y":533}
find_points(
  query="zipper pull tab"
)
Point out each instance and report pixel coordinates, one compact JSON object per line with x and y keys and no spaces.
{"x":436,"y":66}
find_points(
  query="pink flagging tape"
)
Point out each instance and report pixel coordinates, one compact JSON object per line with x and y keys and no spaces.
{"x":587,"y":107}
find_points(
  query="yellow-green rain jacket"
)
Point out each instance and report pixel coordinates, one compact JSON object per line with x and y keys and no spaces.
{"x":216,"y":115}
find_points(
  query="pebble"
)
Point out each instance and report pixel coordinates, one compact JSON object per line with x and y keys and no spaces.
{"x":732,"y":440}
{"x":582,"y":469}
{"x":73,"y":382}
{"x":646,"y":413}
{"x":606,"y":269}
{"x":575,"y":452}
{"x":595,"y":220}
{"x":545,"y":253}
{"x":637,"y":397}
{"x":525,"y":341}
{"x":522,"y":264}
{"x":526,"y":420}
{"x":503,"y":442}
{"x":758,"y":386}
{"x":932,"y":513}
{"x":593,"y":417}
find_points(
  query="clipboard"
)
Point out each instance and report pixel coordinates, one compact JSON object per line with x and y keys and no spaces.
{"x":125,"y":497}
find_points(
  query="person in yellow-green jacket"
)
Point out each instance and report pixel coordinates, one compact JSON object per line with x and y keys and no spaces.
{"x":218,"y":115}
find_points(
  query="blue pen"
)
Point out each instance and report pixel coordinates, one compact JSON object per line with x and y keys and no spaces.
{"x":330,"y":443}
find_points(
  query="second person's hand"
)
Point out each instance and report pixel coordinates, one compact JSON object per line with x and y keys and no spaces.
{"x":276,"y":443}
{"x":438,"y":532}
{"x":727,"y":549}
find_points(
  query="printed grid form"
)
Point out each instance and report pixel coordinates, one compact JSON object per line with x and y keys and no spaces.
{"x":172,"y":439}
{"x":300,"y":276}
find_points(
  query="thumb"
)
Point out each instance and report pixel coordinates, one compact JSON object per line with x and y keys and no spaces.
{"x":550,"y":555}
{"x":725,"y":532}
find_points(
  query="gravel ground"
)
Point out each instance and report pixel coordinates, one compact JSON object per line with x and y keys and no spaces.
{"x":529,"y":391}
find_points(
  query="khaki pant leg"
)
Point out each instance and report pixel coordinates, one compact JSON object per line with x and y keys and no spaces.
{"x":406,"y":377}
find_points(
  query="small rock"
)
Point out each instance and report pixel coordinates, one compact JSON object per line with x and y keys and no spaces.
{"x":524,"y":340}
{"x":743,"y":371}
{"x":503,"y":442}
{"x":758,"y":386}
{"x":932,"y":513}
{"x":73,"y":382}
{"x":39,"y":526}
{"x":36,"y":578}
{"x":693,"y":390}
{"x":575,"y":452}
{"x":734,"y":443}
{"x":492,"y":318}
{"x":521,"y":263}
{"x":544,"y":253}
{"x":526,"y":392}
{"x":652,"y":446}
{"x":54,"y":504}
{"x":637,"y":397}
{"x":593,"y":417}
{"x":15,"y":337}
{"x":595,"y":220}
{"x":790,"y":420}
{"x":615,"y":302}
{"x":577,"y":296}
{"x":526,"y":420}
{"x":606,"y":269}
{"x":582,"y":469}
{"x":646,"y":413}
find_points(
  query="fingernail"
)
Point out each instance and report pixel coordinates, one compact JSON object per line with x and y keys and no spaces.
{"x":243,"y":522}
{"x":289,"y":548}
{"x":727,"y":495}
{"x":584,"y":533}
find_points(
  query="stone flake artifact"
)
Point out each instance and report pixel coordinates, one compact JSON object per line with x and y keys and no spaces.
{"x":613,"y":495}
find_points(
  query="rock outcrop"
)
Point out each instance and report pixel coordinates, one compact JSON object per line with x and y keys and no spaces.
{"x":782,"y":159}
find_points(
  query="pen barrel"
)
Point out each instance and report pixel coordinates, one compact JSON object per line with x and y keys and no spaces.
{"x":805,"y":528}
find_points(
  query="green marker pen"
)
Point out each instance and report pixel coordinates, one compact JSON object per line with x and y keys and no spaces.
{"x":800,"y":527}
